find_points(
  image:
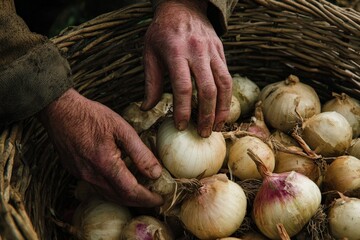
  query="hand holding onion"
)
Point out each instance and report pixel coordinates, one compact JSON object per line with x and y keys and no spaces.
{"x":181,"y":41}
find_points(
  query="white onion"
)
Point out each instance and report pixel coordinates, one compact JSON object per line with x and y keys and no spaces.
{"x":235,"y":110}
{"x":289,"y":198}
{"x":344,"y":218}
{"x":241,"y":165}
{"x":217,"y":210}
{"x":96,"y":219}
{"x":346,"y":106}
{"x":354,"y":149}
{"x":287,"y":102}
{"x":246,"y":91}
{"x":327,"y":133}
{"x":343,"y":174}
{"x":186,"y":154}
{"x":146,"y":227}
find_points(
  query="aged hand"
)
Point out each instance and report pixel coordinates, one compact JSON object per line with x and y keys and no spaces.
{"x":87,"y":136}
{"x":182,"y":41}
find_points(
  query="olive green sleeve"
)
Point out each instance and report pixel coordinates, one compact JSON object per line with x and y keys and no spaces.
{"x":32,"y":71}
{"x":218,"y":12}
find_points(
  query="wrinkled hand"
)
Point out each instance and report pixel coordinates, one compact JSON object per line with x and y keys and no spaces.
{"x":182,"y":41}
{"x":87,"y":136}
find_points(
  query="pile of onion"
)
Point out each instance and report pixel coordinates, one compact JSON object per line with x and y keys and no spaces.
{"x":186,"y":154}
{"x":217,"y":210}
{"x":288,"y":198}
{"x":287,"y":103}
{"x":354,"y":149}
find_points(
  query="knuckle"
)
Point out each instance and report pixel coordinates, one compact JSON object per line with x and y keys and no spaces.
{"x":207,"y":92}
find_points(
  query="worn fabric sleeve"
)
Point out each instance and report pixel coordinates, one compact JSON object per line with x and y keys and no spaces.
{"x":218,"y":12}
{"x":33,"y":73}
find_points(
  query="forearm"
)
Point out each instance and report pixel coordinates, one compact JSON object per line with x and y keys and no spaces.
{"x":218,"y":12}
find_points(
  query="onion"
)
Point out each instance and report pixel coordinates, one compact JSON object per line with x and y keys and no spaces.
{"x":343,"y":174}
{"x":96,"y":219}
{"x":241,"y":165}
{"x":290,"y":161}
{"x":235,"y":110}
{"x":283,"y":139}
{"x":354,"y":149}
{"x":186,"y":154}
{"x":217,"y":210}
{"x":346,"y":106}
{"x":246,"y":91}
{"x":288,"y":198}
{"x":285,"y":103}
{"x":344,"y":218}
{"x":142,"y":120}
{"x":146,"y":228}
{"x":327,"y":133}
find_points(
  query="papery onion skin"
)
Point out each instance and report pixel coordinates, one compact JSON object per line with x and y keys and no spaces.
{"x":354,"y":149}
{"x":284,"y":101}
{"x":328,"y":134}
{"x":346,"y":106}
{"x":217,"y":211}
{"x":247,"y":92}
{"x":343,"y":174}
{"x":287,"y":198}
{"x":187,"y":155}
{"x":97,"y":219}
{"x":344,"y":218}
{"x":145,"y":227}
{"x":241,"y":165}
{"x":235,"y":110}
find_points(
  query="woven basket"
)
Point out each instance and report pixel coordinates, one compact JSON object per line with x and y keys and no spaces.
{"x":267,"y":40}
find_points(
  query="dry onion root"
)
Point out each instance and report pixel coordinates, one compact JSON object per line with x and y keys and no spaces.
{"x":217,"y":210}
{"x":289,"y":198}
{"x":288,"y":102}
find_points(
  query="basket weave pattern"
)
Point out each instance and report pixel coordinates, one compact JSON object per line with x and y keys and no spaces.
{"x":267,"y":40}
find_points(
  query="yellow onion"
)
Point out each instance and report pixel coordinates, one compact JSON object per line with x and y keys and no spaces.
{"x":290,"y":161}
{"x":327,"y":133}
{"x":344,"y":218}
{"x":142,"y":120}
{"x":146,"y":227}
{"x":241,"y":165}
{"x":246,"y":91}
{"x":354,"y":149}
{"x":96,"y":219}
{"x":217,"y":210}
{"x":285,"y":103}
{"x":288,"y":198}
{"x":346,"y":106}
{"x":343,"y":174}
{"x":235,"y":110}
{"x":186,"y":154}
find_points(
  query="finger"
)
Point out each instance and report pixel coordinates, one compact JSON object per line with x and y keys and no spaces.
{"x":121,"y":182}
{"x":139,"y":153}
{"x":153,"y":79}
{"x":207,"y":92}
{"x":179,"y":73}
{"x":223,"y":83}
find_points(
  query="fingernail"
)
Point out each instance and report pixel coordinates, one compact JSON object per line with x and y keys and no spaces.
{"x":182,"y":125}
{"x":206,"y":132}
{"x":156,"y":171}
{"x":219,"y":126}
